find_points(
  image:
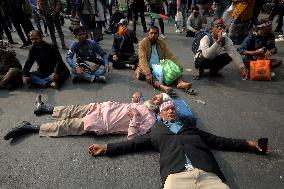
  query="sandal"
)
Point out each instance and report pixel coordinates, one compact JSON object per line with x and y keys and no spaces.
{"x":190,"y":91}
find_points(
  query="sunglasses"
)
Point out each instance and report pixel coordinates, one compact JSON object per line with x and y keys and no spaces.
{"x":220,"y":27}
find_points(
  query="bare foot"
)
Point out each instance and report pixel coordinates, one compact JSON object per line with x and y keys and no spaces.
{"x":184,"y":85}
{"x":54,"y":85}
{"x":166,"y":89}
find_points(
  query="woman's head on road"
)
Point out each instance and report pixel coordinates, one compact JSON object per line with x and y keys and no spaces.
{"x":151,"y":106}
{"x":153,"y":34}
{"x":36,"y":38}
{"x":158,"y":99}
{"x":136,"y":97}
{"x":80,"y":34}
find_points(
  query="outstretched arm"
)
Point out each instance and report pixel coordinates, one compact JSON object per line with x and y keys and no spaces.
{"x":113,"y":149}
{"x":222,"y":143}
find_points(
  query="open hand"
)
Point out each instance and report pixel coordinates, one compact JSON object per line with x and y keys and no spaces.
{"x":97,"y":149}
{"x":133,"y":112}
{"x":107,"y":67}
{"x":253,"y":145}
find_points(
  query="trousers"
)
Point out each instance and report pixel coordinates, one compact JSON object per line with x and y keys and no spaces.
{"x":194,"y":179}
{"x":69,"y":121}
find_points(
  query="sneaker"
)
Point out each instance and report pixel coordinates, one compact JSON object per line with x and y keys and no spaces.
{"x":13,"y":43}
{"x":25,"y":46}
{"x":130,"y":66}
{"x":178,"y":31}
{"x":272,"y":74}
{"x":101,"y":79}
{"x":162,"y":36}
{"x":281,"y":38}
{"x":184,"y":30}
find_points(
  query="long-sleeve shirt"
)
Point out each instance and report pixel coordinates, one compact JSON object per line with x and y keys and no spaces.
{"x":194,"y":23}
{"x":112,"y":118}
{"x":124,"y":43}
{"x":214,"y":50}
{"x":86,"y":50}
{"x":48,"y":59}
{"x":254,"y":42}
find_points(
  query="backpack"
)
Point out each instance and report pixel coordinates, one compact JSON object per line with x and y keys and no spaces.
{"x":77,"y":5}
{"x":198,"y":36}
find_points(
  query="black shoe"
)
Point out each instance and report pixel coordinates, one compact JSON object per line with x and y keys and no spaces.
{"x":23,"y":128}
{"x":216,"y":74}
{"x":101,"y":79}
{"x":13,"y":43}
{"x":42,"y":108}
{"x":25,"y":46}
{"x":76,"y":80}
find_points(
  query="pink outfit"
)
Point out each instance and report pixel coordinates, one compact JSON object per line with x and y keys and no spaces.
{"x":112,"y":118}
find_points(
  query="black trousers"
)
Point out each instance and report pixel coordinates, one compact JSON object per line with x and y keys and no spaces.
{"x":22,"y":20}
{"x":213,"y":65}
{"x":124,"y":59}
{"x":142,"y":16}
{"x":4,"y":26}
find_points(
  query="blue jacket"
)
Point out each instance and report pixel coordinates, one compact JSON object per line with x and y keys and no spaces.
{"x":254,"y":42}
{"x":86,"y":50}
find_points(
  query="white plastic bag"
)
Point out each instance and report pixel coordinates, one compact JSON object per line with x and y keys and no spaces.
{"x":178,"y":17}
{"x":157,"y":72}
{"x":227,"y":16}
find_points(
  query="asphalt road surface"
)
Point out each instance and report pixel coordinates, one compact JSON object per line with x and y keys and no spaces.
{"x":234,"y":108}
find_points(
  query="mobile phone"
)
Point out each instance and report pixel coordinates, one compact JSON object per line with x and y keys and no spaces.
{"x":262,"y":143}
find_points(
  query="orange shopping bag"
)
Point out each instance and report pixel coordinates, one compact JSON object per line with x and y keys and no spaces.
{"x":260,"y":70}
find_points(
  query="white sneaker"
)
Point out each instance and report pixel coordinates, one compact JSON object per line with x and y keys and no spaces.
{"x":281,"y":38}
{"x":178,"y":31}
{"x":162,"y":36}
{"x":272,"y":74}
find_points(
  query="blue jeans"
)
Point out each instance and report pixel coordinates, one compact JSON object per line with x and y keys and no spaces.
{"x":89,"y":76}
{"x":40,"y":79}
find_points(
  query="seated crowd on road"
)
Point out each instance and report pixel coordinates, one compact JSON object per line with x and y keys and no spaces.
{"x":216,"y":27}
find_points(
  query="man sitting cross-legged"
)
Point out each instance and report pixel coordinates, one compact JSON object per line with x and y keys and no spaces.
{"x":88,"y":67}
{"x":51,"y":71}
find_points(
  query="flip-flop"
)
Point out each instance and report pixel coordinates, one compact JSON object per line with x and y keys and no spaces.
{"x":172,"y":94}
{"x":190,"y":91}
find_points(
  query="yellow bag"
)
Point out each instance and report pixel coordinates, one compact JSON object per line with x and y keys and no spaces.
{"x":260,"y":70}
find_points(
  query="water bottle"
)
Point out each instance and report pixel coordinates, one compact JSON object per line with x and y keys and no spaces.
{"x":141,"y":99}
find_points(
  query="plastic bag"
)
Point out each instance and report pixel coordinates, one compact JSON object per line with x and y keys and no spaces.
{"x":171,"y":71}
{"x":260,"y":70}
{"x":227,"y":16}
{"x":157,"y":72}
{"x":178,"y":17}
